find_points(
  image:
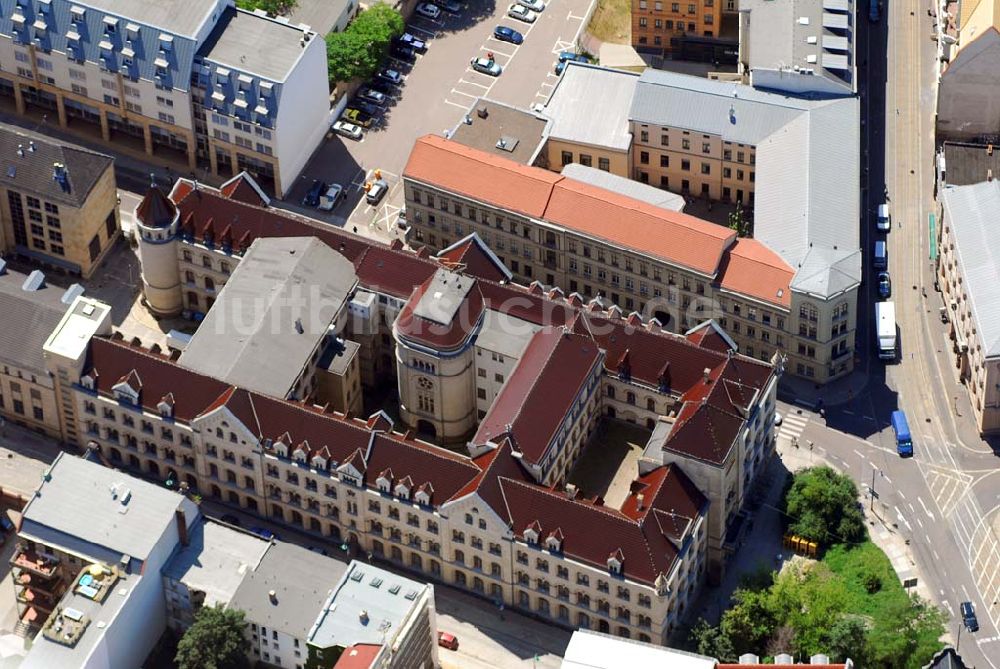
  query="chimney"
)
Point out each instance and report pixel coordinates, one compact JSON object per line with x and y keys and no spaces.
{"x":182,"y":527}
{"x":706,"y":373}
{"x":989,"y":174}
{"x":272,"y":596}
{"x":298,"y":326}
{"x":363,"y":617}
{"x":31,"y":146}
{"x":20,"y":150}
{"x":640,"y":500}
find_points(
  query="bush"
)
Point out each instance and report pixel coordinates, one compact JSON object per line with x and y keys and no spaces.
{"x":822,"y":506}
{"x":272,"y":7}
{"x":872,"y":582}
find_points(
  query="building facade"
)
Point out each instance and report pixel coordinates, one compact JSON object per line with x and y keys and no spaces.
{"x":164,"y":79}
{"x":687,"y":29}
{"x":58,"y":202}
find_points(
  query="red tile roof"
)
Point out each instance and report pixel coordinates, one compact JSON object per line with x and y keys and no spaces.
{"x":358,"y":656}
{"x":479,"y":175}
{"x":472,"y":257}
{"x":709,"y":335}
{"x":242,"y":187}
{"x":533,"y":404}
{"x":750,"y":268}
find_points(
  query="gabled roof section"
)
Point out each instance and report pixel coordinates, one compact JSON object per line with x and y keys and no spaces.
{"x":534,"y":402}
{"x":708,"y":334}
{"x":750,"y":268}
{"x":471,"y":256}
{"x":244,"y":188}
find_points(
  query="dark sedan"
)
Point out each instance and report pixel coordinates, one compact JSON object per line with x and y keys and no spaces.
{"x":505,"y":34}
{"x":311,"y":198}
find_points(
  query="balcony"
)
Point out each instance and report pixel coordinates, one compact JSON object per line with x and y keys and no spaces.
{"x":33,"y":563}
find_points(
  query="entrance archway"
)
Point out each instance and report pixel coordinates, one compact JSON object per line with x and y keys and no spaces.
{"x":426,"y":429}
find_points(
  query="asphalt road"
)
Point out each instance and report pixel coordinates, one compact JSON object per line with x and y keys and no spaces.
{"x":437,"y":91}
{"x":945,"y":498}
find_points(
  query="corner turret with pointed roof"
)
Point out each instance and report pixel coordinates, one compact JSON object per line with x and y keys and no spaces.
{"x":157,"y":224}
{"x":156,"y":210}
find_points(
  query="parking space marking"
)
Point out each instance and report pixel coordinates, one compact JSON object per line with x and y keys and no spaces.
{"x":468,"y":95}
{"x":455,"y":104}
{"x":423,"y":30}
{"x":497,"y":52}
{"x":473,"y":83}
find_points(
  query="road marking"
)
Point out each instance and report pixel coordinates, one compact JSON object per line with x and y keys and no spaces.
{"x":859,"y":454}
{"x":901,"y":494}
{"x":900,"y":518}
{"x":966,"y":593}
{"x":473,"y":83}
{"x":497,"y":52}
{"x":455,"y":104}
{"x":924,"y":506}
{"x":920,"y":523}
{"x":468,"y":95}
{"x":887,"y":479}
{"x":937,"y":558}
{"x":791,"y":427}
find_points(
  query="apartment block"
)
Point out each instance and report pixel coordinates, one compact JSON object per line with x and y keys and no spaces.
{"x":224,"y":89}
{"x":58,"y":202}
{"x":688,"y":29}
{"x":966,"y":268}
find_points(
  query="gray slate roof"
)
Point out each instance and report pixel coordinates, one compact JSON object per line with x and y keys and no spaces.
{"x":73,"y":508}
{"x":175,"y":17}
{"x":777,"y":38}
{"x":586,"y":106}
{"x":807,"y":171}
{"x":250,"y":336}
{"x":32,"y":172}
{"x":387,"y":598}
{"x":302,"y":581}
{"x":968,"y":163}
{"x":971,"y":211}
{"x":28,"y":318}
{"x":657,"y":197}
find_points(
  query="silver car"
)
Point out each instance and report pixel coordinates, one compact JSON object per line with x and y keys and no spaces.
{"x":521,"y":13}
{"x":486,"y":66}
{"x":347,"y":129}
{"x":533,"y":5}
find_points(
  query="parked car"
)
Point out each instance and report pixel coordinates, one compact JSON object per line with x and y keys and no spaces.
{"x":358,"y":117}
{"x":347,"y":129}
{"x":505,"y":34}
{"x":428,"y":10}
{"x":449,"y":641}
{"x":366,"y":107}
{"x":968,"y":617}
{"x":334,"y":194}
{"x":376,"y":191}
{"x":264,"y":533}
{"x":453,"y":6}
{"x":389,"y":76}
{"x":777,"y":419}
{"x":403,"y":53}
{"x":569,"y":57}
{"x":6,"y":525}
{"x":410,"y":40}
{"x":533,"y":5}
{"x":486,"y":66}
{"x":521,"y":13}
{"x":369,"y":94}
{"x":381,"y":86}
{"x":230,"y":518}
{"x":884,"y":285}
{"x":311,"y":198}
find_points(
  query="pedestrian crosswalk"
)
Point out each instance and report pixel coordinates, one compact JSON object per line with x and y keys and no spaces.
{"x":791,"y":427}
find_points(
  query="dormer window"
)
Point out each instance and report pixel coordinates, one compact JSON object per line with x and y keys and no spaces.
{"x":132,"y":31}
{"x":166,"y":407}
{"x":319,"y":462}
{"x":384,"y":483}
{"x":110,"y":25}
{"x":281,"y":449}
{"x":77,"y":13}
{"x":301,"y":454}
{"x":87,"y":381}
{"x":554,"y":541}
{"x":166,"y":42}
{"x":402,"y":491}
{"x":615,"y":561}
{"x":45,"y":6}
{"x":531,"y":536}
{"x":423,"y":497}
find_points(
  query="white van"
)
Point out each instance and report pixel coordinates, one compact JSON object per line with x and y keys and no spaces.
{"x":884,"y":224}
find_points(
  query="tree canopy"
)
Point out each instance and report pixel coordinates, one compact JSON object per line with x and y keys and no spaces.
{"x":272,"y":7}
{"x":822,"y":506}
{"x":357,"y":52}
{"x":216,"y":640}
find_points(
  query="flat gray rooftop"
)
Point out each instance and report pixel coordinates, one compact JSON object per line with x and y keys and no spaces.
{"x":386,"y":598}
{"x":967,"y":163}
{"x":657,"y":197}
{"x":523,"y":132}
{"x":443,"y":297}
{"x":181,"y":17}
{"x":302,"y":581}
{"x":28,"y":318}
{"x":505,"y":334}
{"x":250,"y":43}
{"x":92,"y":510}
{"x":590,"y":105}
{"x":338,"y":356}
{"x":215,"y":560}
{"x":268,"y":319}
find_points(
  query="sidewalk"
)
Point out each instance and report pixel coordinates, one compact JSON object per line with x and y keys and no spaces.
{"x":795,"y":390}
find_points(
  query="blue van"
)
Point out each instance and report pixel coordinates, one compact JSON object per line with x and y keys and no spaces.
{"x":901,"y":428}
{"x":881,"y":255}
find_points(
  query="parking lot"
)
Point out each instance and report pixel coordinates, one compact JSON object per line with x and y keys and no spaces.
{"x":436,"y":92}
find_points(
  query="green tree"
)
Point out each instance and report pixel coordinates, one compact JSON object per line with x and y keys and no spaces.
{"x":357,"y":52}
{"x":848,"y":638}
{"x":215,"y":641}
{"x":750,"y":621}
{"x":272,"y":7}
{"x":822,"y":506}
{"x":709,"y":640}
{"x":738,"y":221}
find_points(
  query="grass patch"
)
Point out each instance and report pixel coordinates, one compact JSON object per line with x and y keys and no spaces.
{"x":612,"y":21}
{"x":855,"y":565}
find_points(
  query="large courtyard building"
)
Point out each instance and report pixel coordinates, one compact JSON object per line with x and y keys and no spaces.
{"x":687,"y":30}
{"x":514,"y":379}
{"x":224,"y":89}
